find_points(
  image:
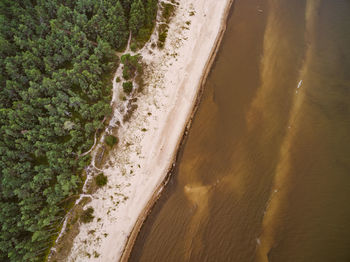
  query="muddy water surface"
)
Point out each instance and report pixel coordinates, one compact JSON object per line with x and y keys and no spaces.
{"x":264,"y":174}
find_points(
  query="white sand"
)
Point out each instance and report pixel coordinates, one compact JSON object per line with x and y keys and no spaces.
{"x":140,"y":163}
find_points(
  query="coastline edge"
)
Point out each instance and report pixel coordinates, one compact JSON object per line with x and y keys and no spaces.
{"x":159,"y":189}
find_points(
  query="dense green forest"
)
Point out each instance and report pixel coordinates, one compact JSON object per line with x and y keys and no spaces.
{"x":57,"y":58}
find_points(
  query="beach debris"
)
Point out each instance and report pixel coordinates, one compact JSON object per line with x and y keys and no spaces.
{"x":299,"y":84}
{"x":258,"y":241}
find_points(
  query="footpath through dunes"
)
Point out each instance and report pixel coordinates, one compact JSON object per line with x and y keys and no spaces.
{"x":149,"y":141}
{"x":263,"y":174}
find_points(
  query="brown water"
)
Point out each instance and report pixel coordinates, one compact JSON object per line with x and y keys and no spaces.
{"x":265,"y":171}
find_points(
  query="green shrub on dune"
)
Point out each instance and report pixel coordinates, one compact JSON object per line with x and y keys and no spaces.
{"x":127,"y":87}
{"x":101,"y":180}
{"x":111,"y":140}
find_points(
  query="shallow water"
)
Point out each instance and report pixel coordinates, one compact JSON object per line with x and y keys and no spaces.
{"x":264,"y":174}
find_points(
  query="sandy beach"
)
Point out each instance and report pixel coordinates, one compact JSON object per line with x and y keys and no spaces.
{"x":138,"y":167}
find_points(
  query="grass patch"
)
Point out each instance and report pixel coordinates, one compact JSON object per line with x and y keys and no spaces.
{"x":101,"y":180}
{"x":87,"y":215}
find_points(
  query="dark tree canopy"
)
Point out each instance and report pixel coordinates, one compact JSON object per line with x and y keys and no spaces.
{"x":57,"y":58}
{"x":137,"y":16}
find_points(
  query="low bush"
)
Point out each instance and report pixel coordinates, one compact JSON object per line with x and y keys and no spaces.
{"x":133,"y":47}
{"x":162,"y":37}
{"x":168,"y":11}
{"x":144,"y":35}
{"x":111,"y":140}
{"x":127,"y":87}
{"x":127,"y":72}
{"x":87,"y":215}
{"x":131,"y":65}
{"x":101,"y":180}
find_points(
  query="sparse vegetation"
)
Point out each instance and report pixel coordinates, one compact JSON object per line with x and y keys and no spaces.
{"x":168,"y":10}
{"x":96,"y":255}
{"x":91,"y":232}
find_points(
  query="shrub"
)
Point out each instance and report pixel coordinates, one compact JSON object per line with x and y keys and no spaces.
{"x":162,"y":37}
{"x":168,"y":11}
{"x":131,"y":65}
{"x":118,"y":79}
{"x":87,"y":216}
{"x":128,"y":59}
{"x":101,"y":180}
{"x":144,"y":35}
{"x":111,"y":140}
{"x":127,"y":72}
{"x":127,"y":87}
{"x":133,"y":47}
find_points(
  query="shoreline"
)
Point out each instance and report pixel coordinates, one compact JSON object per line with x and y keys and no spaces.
{"x":141,"y":165}
{"x":158,"y":192}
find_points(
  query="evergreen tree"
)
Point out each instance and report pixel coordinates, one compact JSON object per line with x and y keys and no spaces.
{"x":151,"y":11}
{"x":116,"y":31}
{"x":137,"y":17}
{"x":57,"y":59}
